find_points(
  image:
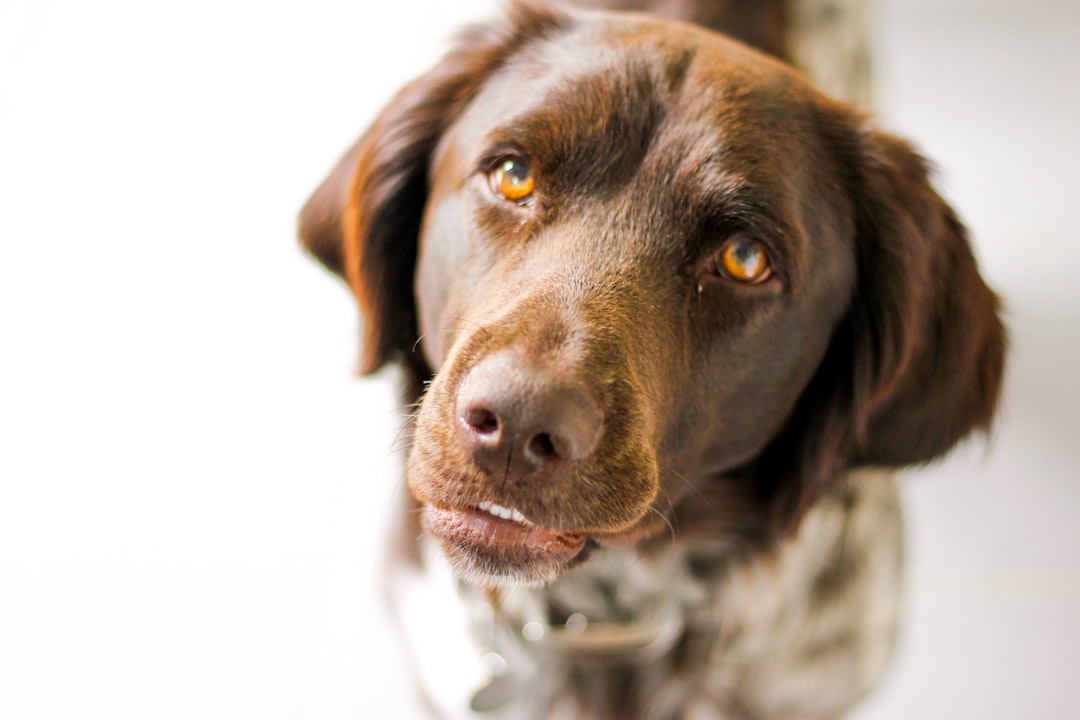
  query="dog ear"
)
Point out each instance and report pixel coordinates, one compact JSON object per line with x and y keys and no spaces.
{"x":928,"y":342}
{"x":917,"y":363}
{"x":363,"y":222}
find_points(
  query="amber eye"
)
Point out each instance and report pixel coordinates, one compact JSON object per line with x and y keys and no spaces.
{"x":512,"y":179}
{"x":743,"y":260}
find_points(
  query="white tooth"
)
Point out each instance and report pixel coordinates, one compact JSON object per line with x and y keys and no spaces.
{"x":502,"y":512}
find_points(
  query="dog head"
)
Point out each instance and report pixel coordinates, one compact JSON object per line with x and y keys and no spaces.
{"x":661,"y":284}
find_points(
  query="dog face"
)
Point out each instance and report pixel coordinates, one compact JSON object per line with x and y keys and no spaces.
{"x":663,"y":286}
{"x":653,"y":273}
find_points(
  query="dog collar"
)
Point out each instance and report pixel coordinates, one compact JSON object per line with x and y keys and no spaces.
{"x":604,"y":641}
{"x":518,"y":647}
{"x":496,"y":649}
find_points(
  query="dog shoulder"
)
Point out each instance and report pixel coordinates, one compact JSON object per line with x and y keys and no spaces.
{"x":815,"y":621}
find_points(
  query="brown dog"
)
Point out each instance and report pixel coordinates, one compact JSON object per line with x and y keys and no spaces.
{"x":673,"y":303}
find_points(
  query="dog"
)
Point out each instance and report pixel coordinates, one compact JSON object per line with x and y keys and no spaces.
{"x":673,"y":318}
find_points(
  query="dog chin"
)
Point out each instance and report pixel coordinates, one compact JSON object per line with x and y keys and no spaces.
{"x":496,"y":547}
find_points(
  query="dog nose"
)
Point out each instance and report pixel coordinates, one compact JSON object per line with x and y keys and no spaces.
{"x":518,"y":423}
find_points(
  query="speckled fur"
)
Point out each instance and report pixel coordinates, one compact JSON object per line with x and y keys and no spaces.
{"x":801,"y":632}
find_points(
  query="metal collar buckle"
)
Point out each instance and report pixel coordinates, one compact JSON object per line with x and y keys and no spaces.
{"x":577,"y":641}
{"x":607,"y":642}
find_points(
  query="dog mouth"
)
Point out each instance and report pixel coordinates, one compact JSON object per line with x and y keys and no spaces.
{"x":495,"y":545}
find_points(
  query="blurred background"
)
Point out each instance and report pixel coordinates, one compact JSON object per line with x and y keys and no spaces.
{"x":192,"y":484}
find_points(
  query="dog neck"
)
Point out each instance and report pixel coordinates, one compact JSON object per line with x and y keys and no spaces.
{"x":621,"y":608}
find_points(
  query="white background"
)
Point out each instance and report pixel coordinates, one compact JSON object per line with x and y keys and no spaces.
{"x":192,"y":485}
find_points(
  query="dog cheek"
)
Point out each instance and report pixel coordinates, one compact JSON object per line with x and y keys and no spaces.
{"x":444,"y":253}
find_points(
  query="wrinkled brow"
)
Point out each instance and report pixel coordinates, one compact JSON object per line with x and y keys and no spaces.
{"x":712,"y":192}
{"x":591,"y":128}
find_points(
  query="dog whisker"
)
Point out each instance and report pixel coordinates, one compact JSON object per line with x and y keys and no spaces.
{"x":667,"y":521}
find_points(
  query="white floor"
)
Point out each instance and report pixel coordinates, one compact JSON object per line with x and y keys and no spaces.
{"x":192,"y":487}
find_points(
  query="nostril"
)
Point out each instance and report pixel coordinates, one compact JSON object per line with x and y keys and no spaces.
{"x":542,"y":447}
{"x":482,"y":420}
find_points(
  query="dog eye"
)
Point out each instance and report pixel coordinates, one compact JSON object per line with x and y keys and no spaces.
{"x":743,"y":260}
{"x":512,"y":179}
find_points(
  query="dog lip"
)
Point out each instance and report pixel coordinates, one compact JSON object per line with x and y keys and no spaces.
{"x":494,"y":524}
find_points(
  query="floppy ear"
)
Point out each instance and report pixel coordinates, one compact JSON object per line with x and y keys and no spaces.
{"x":363,"y":222}
{"x":917,"y":362}
{"x":928,"y":343}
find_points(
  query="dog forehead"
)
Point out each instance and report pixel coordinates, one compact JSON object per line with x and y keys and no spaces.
{"x":610,"y":83}
{"x":675,"y":52}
